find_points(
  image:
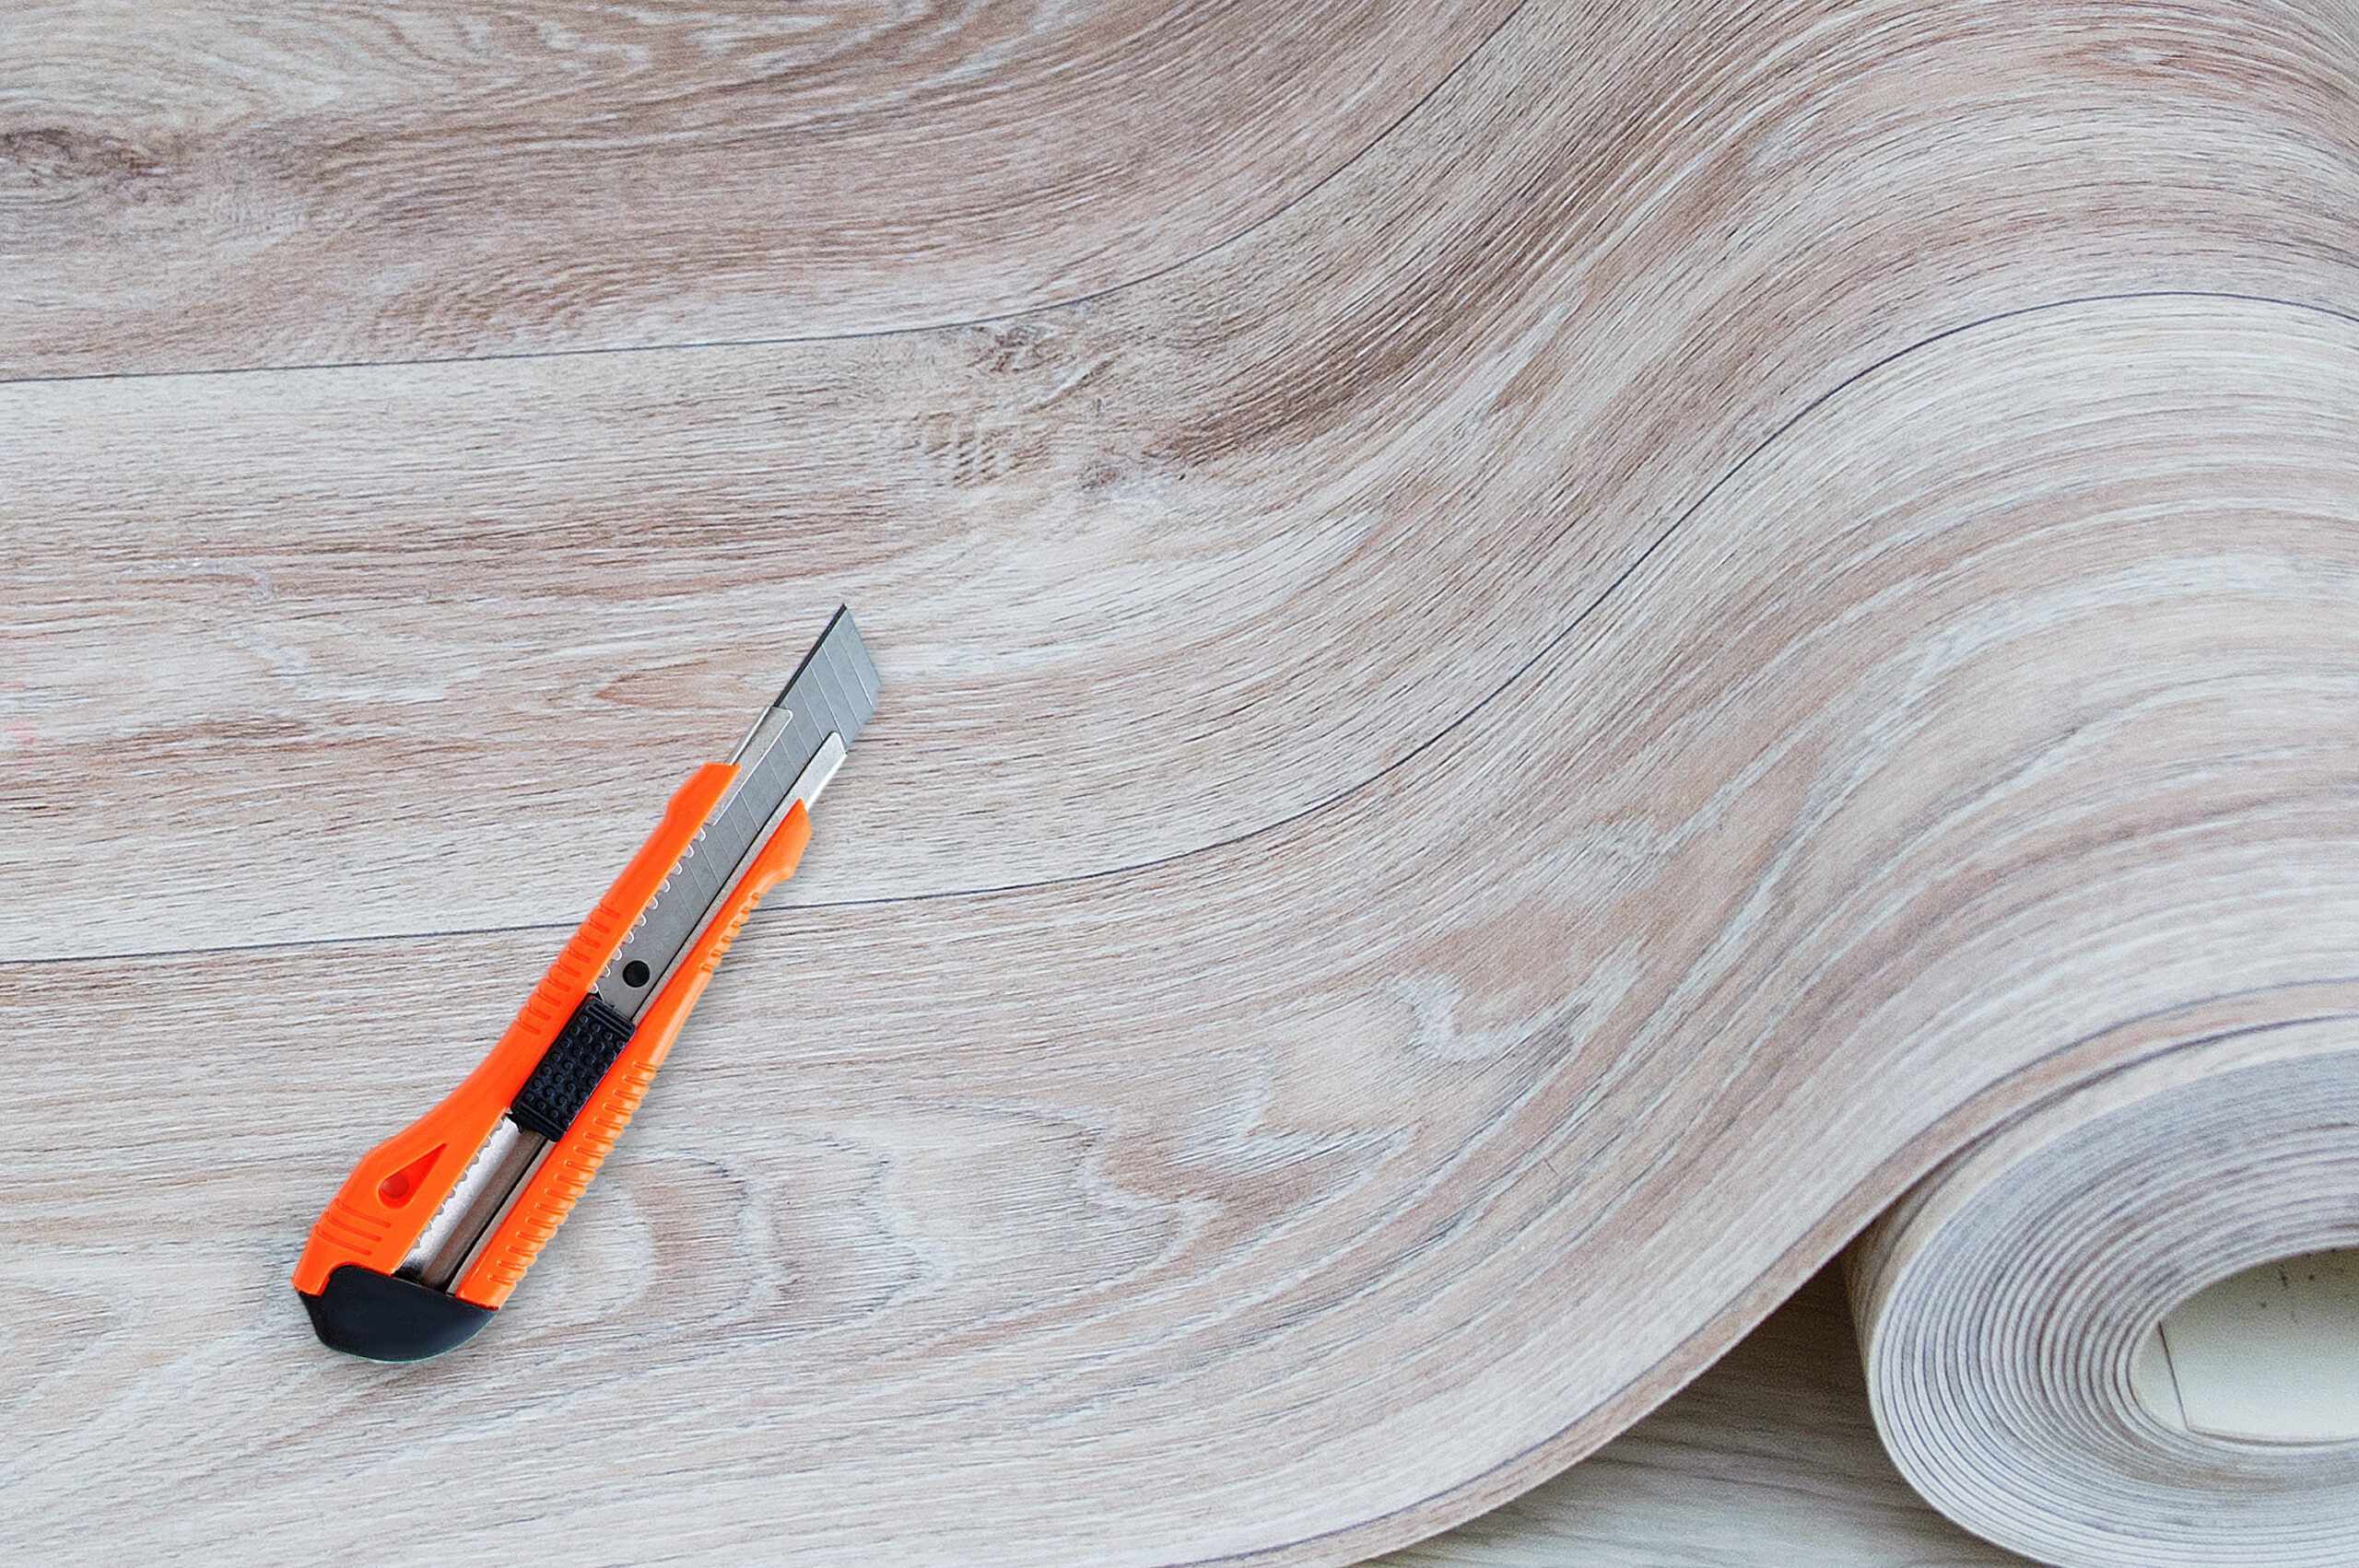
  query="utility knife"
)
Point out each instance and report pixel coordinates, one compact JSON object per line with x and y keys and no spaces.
{"x":437,"y":1224}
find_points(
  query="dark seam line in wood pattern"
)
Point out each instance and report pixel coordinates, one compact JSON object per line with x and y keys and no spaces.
{"x":1912,"y":1166}
{"x":1557,"y":638}
{"x":1296,"y":817}
{"x":879,"y":334}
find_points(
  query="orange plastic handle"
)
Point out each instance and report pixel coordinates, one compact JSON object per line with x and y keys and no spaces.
{"x":550,"y":1195}
{"x":377,"y":1215}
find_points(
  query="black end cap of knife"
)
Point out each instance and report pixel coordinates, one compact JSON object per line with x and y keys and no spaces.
{"x":363,"y":1313}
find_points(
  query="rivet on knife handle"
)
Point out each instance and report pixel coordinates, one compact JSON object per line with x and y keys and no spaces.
{"x":437,"y":1224}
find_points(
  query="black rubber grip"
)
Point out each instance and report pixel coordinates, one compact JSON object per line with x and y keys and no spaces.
{"x":570,"y":1070}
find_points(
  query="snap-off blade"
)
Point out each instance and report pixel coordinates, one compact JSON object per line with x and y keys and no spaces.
{"x":789,"y":754}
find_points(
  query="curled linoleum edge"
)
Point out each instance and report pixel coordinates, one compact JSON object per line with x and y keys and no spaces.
{"x":2002,"y":1304}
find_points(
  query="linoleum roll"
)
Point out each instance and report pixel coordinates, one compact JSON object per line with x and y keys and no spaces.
{"x":2007,"y":1308}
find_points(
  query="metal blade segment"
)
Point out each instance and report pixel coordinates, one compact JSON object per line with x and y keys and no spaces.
{"x":824,"y":706}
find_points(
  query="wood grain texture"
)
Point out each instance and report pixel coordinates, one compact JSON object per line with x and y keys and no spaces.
{"x":1454,"y":410}
{"x":1766,"y":1460}
{"x":1429,"y":754}
{"x":339,"y":181}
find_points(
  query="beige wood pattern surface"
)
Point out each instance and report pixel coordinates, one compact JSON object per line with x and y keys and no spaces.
{"x":1766,"y":1460}
{"x":224,"y":185}
{"x":1471,"y":778}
